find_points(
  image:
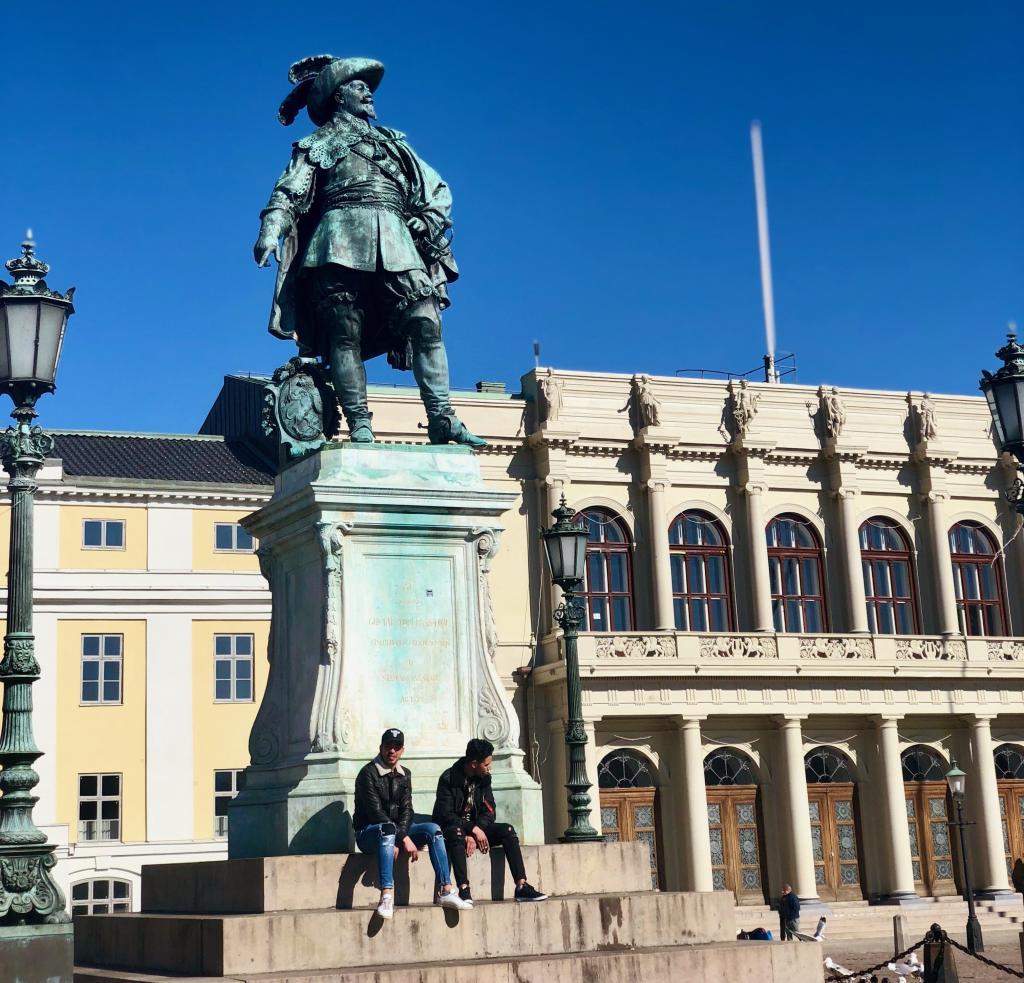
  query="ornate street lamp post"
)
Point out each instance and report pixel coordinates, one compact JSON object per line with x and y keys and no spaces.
{"x":566,"y":545}
{"x":957,"y":781}
{"x":32,"y":322}
{"x":1004,"y":391}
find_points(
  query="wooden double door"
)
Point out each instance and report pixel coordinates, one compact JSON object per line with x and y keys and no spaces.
{"x":1011,"y":813}
{"x":931,"y":838}
{"x":737,"y":842}
{"x":631,"y":814}
{"x":835,"y":842}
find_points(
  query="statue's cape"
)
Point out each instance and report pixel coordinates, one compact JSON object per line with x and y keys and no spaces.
{"x":428,"y":197}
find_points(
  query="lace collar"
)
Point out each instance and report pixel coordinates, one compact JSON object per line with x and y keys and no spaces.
{"x":330,"y":144}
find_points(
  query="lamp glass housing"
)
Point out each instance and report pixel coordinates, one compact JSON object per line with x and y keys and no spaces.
{"x":957,"y":780}
{"x":567,"y":553}
{"x":31,"y":336}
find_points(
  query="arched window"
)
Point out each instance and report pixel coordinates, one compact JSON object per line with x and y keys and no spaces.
{"x":978,"y":580}
{"x":1009,"y":761}
{"x":797,"y":575}
{"x":624,"y":769}
{"x":608,"y":588}
{"x":826,"y":764}
{"x":728,"y":767}
{"x":701,"y":587}
{"x":101,"y":896}
{"x":922,"y":764}
{"x":888,"y":578}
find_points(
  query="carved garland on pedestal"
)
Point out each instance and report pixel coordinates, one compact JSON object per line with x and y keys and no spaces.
{"x":27,"y":888}
{"x":264,"y":744}
{"x":324,"y":729}
{"x":495,"y":719}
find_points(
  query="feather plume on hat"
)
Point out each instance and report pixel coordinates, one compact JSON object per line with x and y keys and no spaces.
{"x":302,"y":75}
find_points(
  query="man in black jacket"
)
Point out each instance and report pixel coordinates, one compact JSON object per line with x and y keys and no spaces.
{"x":384,"y":824}
{"x":464,"y":809}
{"x":789,"y":913}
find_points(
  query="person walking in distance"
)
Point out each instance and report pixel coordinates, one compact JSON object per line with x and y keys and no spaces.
{"x":384,"y":825}
{"x":789,"y":913}
{"x":465,"y":811}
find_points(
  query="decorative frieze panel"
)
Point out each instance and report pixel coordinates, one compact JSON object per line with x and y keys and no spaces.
{"x":636,"y":647}
{"x":1006,"y":650}
{"x":738,"y":647}
{"x":836,"y":647}
{"x":931,"y":650}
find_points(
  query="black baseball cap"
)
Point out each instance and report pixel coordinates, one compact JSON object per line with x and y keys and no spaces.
{"x":393,"y":737}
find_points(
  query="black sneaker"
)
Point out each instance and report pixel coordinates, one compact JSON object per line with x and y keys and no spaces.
{"x":529,"y":893}
{"x":466,"y":895}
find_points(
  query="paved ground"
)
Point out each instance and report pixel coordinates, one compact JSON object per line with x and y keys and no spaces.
{"x":1003,"y":947}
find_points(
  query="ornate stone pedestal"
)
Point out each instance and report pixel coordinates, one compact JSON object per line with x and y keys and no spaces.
{"x":377,"y":558}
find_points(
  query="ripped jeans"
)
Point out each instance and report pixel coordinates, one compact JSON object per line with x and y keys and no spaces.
{"x":380,"y":839}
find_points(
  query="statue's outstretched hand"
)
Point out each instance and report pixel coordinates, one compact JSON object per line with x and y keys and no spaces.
{"x":267,"y":245}
{"x":416,"y":226}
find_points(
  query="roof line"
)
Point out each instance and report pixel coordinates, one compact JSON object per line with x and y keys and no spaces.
{"x":213,"y":438}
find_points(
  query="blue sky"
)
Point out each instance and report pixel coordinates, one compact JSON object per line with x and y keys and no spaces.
{"x":600,"y":162}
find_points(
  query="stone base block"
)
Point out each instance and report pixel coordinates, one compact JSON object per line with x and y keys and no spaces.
{"x":308,"y":941}
{"x":267,"y":884}
{"x":738,"y":962}
{"x":36,"y":953}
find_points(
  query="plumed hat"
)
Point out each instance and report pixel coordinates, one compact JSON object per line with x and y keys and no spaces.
{"x":317,"y":78}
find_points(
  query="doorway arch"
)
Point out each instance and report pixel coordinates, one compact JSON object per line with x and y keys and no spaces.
{"x":734,"y":825}
{"x":835,"y":837}
{"x":629,"y":803}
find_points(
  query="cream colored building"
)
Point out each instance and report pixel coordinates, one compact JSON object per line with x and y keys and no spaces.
{"x":776,"y":673}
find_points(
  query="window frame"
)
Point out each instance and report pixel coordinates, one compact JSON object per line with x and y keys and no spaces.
{"x":111,"y":903}
{"x":703,"y":552}
{"x":233,"y":658}
{"x":104,"y":523}
{"x":960,"y":561}
{"x":102,"y":659}
{"x":602,"y":517}
{"x":99,"y":798}
{"x":237,"y":784}
{"x":876,"y":602}
{"x":236,"y":528}
{"x":780,"y":607}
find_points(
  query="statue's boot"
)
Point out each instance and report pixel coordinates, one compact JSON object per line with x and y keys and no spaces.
{"x":430,"y":367}
{"x":348,"y":374}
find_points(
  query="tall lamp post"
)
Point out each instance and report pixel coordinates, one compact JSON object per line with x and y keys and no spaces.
{"x":957,"y":781}
{"x":1004,"y":391}
{"x":32,"y":322}
{"x":566,"y":545}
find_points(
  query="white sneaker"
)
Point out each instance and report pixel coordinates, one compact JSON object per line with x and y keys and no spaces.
{"x":386,"y":908}
{"x":452,"y":900}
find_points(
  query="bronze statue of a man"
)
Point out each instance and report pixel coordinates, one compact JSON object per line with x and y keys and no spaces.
{"x":358,"y":224}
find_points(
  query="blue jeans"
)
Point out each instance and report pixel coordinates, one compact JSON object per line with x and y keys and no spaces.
{"x":380,"y":839}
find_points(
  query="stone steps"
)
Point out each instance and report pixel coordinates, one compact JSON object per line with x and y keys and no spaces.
{"x":741,"y":962}
{"x":293,"y":942}
{"x":298,"y":883}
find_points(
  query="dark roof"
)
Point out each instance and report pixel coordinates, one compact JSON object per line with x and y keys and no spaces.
{"x":158,"y":458}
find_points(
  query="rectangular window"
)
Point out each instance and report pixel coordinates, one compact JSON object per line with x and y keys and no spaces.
{"x":101,"y":896}
{"x":99,"y":807}
{"x":232,"y":668}
{"x":103,"y":534}
{"x":230,"y":537}
{"x":102,"y":668}
{"x":226,"y":785}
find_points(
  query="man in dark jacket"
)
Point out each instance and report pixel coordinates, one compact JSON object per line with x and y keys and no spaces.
{"x":384,"y":824}
{"x":464,"y":809}
{"x":789,"y":913}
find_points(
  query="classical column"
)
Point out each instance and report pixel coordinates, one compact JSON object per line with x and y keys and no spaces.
{"x":942,"y":564}
{"x":897,"y":882}
{"x":760,"y":581}
{"x":988,"y":862}
{"x":800,"y":873}
{"x":661,"y":558}
{"x":856,"y":605}
{"x":695,"y":844}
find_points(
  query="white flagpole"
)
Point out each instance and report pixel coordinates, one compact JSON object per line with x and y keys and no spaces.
{"x":765,"y":251}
